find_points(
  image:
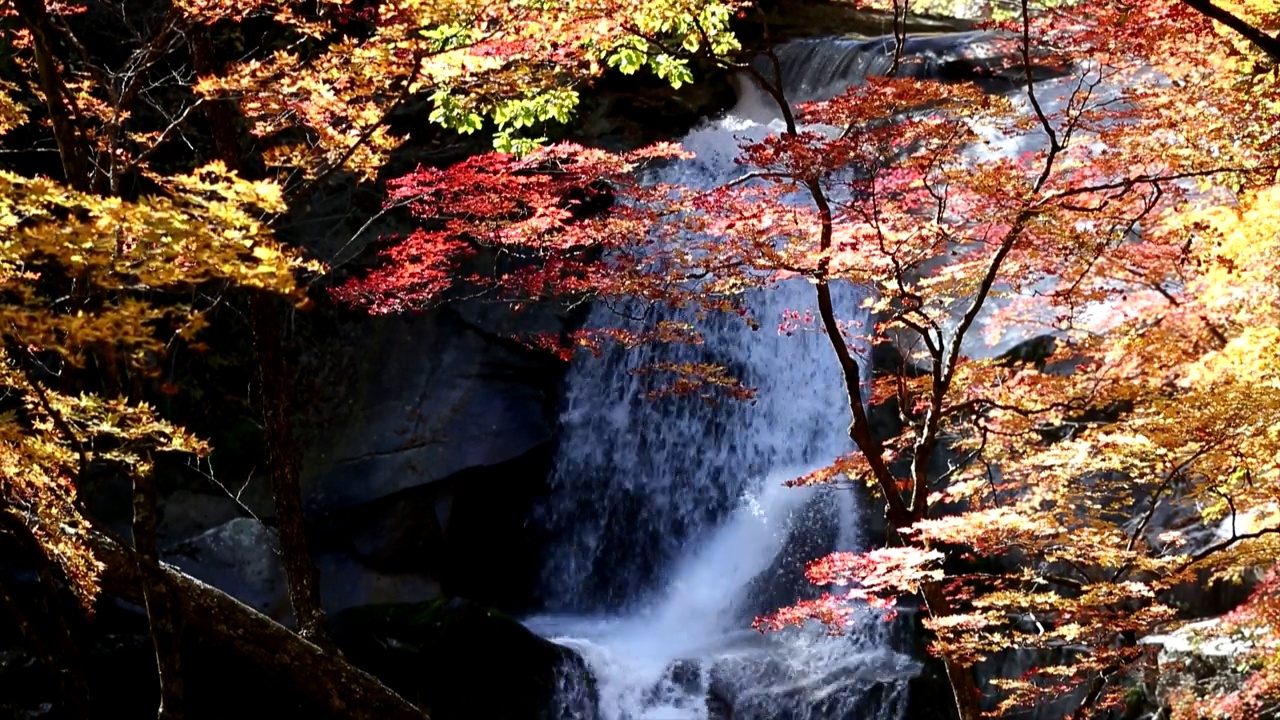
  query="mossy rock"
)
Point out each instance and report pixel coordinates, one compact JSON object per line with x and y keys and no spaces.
{"x":460,"y":660}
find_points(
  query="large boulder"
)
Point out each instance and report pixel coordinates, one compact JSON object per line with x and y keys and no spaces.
{"x":242,"y":558}
{"x":428,"y":397}
{"x":461,"y":660}
{"x":468,"y":532}
{"x":426,"y":440}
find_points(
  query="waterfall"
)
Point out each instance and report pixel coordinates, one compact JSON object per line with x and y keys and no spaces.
{"x":822,"y":68}
{"x":669,"y":524}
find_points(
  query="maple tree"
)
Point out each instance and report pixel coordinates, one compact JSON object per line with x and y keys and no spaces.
{"x":185,"y":132}
{"x":1135,"y":227}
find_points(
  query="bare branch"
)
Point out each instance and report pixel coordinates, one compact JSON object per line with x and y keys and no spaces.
{"x":1218,"y":547}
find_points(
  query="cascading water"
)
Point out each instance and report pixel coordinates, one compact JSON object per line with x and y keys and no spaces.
{"x":670,"y":525}
{"x":824,"y":67}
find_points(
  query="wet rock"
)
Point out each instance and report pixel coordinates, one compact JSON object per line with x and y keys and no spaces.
{"x":813,"y":531}
{"x":1015,"y":663}
{"x":719,"y":706}
{"x":776,"y":690}
{"x":1033,"y":351}
{"x":686,"y":675}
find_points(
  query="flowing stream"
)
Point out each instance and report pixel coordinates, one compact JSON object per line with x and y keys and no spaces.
{"x":671,"y":528}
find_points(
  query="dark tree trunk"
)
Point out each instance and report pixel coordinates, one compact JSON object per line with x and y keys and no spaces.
{"x":161,"y":605}
{"x":304,"y":578}
{"x":63,"y":115}
{"x":268,"y":335}
{"x":967,"y":696}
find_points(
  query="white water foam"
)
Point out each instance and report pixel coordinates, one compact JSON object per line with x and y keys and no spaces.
{"x":670,"y":660}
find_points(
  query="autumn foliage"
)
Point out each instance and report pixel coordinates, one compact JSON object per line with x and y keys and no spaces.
{"x":152,"y":155}
{"x":1127,"y":208}
{"x":1120,"y":219}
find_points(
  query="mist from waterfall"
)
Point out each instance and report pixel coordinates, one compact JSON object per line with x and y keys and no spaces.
{"x":670,"y":525}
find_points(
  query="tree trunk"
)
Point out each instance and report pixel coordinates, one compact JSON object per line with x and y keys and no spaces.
{"x":161,"y":605}
{"x":64,"y":117}
{"x":899,"y":514}
{"x":300,"y":569}
{"x":960,"y":677}
{"x":264,"y":316}
{"x":302,"y":668}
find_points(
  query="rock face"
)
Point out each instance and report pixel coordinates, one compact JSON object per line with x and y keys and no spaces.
{"x":460,"y":660}
{"x":426,"y":443}
{"x":1198,"y":660}
{"x":420,"y":461}
{"x":242,"y":558}
{"x":467,"y":532}
{"x":435,"y":395}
